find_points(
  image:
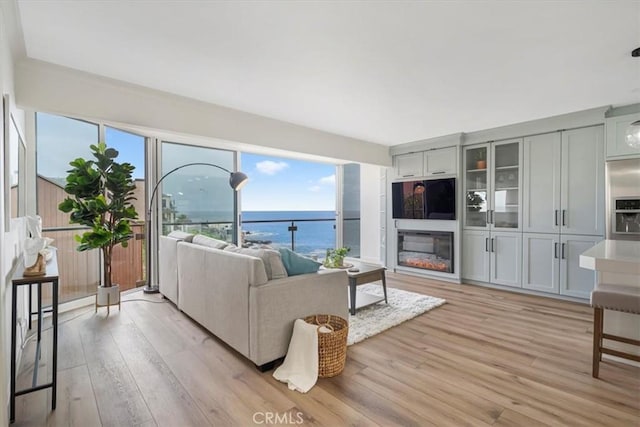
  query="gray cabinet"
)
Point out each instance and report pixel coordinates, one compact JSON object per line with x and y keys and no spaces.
{"x":492,"y":183}
{"x":582,"y":207}
{"x":616,"y":128}
{"x":408,"y":165}
{"x":492,"y":257}
{"x":441,"y":161}
{"x":574,"y":280}
{"x":505,"y":251}
{"x":475,"y":255}
{"x":541,"y":262}
{"x":564,"y":182}
{"x":563,"y":209}
{"x":551,"y":264}
{"x":424,"y":164}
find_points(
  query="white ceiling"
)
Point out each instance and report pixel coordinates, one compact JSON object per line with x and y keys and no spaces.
{"x":388,"y":72}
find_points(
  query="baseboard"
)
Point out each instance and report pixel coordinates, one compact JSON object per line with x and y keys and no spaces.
{"x":526,"y":291}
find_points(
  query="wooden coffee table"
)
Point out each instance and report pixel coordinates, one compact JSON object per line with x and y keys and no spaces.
{"x":368,"y":273}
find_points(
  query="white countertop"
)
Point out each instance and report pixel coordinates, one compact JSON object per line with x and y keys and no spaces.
{"x":616,"y":256}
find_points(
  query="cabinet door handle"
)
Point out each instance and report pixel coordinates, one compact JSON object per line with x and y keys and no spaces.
{"x":493,"y":249}
{"x":486,"y":244}
{"x":564,"y":218}
{"x":555,"y":249}
{"x":555,"y":217}
{"x":563,"y":254}
{"x":492,"y":216}
{"x":437,"y":173}
{"x":407,"y":176}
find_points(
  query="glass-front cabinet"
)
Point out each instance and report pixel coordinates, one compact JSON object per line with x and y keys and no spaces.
{"x":493,"y":178}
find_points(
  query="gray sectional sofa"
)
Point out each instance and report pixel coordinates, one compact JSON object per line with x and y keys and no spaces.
{"x":231,"y":295}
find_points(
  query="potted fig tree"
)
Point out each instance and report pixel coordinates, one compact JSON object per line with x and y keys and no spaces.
{"x":100,"y":193}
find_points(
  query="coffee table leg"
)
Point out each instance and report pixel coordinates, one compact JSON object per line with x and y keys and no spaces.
{"x":352,"y":296}
{"x":384,"y":286}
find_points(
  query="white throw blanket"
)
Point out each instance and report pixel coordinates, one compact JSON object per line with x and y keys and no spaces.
{"x":300,"y":367}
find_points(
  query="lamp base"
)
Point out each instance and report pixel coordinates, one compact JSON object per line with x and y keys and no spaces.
{"x":151,"y":289}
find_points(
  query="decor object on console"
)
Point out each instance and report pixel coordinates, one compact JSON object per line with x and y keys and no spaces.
{"x":236,"y":180}
{"x":335,"y":258}
{"x":100,"y":194}
{"x":35,"y":252}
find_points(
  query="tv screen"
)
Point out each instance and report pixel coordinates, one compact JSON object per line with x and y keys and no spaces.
{"x":440,"y":199}
{"x":429,"y":199}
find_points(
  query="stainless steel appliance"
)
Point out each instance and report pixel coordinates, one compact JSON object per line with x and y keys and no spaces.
{"x":623,"y":199}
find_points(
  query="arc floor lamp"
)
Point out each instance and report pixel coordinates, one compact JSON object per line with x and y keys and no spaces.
{"x":236,"y":180}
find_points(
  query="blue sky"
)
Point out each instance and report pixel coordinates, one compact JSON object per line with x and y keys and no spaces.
{"x":275,"y":184}
{"x":279,"y":184}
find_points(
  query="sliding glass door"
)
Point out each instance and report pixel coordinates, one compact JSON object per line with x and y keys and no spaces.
{"x":197,"y":199}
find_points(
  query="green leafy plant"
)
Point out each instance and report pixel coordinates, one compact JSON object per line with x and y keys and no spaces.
{"x":335,"y":257}
{"x":100,"y":194}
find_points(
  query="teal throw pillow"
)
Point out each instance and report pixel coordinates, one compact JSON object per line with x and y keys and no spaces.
{"x":296,"y":264}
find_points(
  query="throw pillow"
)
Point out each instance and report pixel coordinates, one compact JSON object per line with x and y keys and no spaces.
{"x":271,"y":259}
{"x":296,"y":264}
{"x":181,"y":235}
{"x":210,"y":242}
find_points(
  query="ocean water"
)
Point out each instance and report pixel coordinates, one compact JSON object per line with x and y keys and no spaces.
{"x":311,"y":238}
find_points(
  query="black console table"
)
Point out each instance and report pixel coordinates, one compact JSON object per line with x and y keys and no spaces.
{"x":51,"y":276}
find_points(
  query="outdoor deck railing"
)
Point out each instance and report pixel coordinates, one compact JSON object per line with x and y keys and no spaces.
{"x":80,"y":271}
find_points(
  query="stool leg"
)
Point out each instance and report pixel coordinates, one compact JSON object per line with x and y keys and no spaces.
{"x":597,"y":340}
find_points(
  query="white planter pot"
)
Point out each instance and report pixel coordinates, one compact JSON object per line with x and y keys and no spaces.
{"x":108,"y":296}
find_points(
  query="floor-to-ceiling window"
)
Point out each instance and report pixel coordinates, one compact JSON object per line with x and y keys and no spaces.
{"x":128,"y":264}
{"x":197,"y":199}
{"x":351,"y":208}
{"x":59,"y":140}
{"x":289,"y":202}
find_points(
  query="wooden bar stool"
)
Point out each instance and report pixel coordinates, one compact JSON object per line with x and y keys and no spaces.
{"x":625,"y":298}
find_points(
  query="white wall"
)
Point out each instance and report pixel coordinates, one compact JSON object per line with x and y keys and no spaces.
{"x":46,"y":87}
{"x":370,"y":213}
{"x":8,"y":240}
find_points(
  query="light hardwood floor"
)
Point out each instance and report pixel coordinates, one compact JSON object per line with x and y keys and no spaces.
{"x":487,"y":357}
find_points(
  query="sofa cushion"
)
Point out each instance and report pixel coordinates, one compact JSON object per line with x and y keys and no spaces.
{"x":181,"y":235}
{"x":297,"y":264}
{"x":272,"y":262}
{"x":210,"y":242}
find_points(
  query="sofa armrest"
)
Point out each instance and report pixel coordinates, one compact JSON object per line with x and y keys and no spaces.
{"x":168,"y":268}
{"x":274,"y":306}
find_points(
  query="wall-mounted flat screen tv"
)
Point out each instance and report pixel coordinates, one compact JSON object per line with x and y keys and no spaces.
{"x":425,"y":199}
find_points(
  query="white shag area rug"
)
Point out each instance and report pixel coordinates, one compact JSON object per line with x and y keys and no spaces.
{"x":402,"y":306}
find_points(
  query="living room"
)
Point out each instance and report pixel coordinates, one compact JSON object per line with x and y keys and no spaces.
{"x":382,"y":85}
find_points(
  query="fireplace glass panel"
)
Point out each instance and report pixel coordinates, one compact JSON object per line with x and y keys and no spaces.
{"x":429,"y":250}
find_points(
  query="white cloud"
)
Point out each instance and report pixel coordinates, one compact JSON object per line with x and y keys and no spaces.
{"x":269,"y":167}
{"x":315,"y":188}
{"x":328,"y":180}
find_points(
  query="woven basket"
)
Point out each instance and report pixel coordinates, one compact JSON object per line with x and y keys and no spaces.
{"x":332,"y":346}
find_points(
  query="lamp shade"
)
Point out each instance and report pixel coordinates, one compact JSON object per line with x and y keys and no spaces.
{"x":632,"y":136}
{"x":237,"y":180}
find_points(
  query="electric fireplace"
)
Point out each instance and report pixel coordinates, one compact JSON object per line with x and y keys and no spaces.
{"x":429,"y":250}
